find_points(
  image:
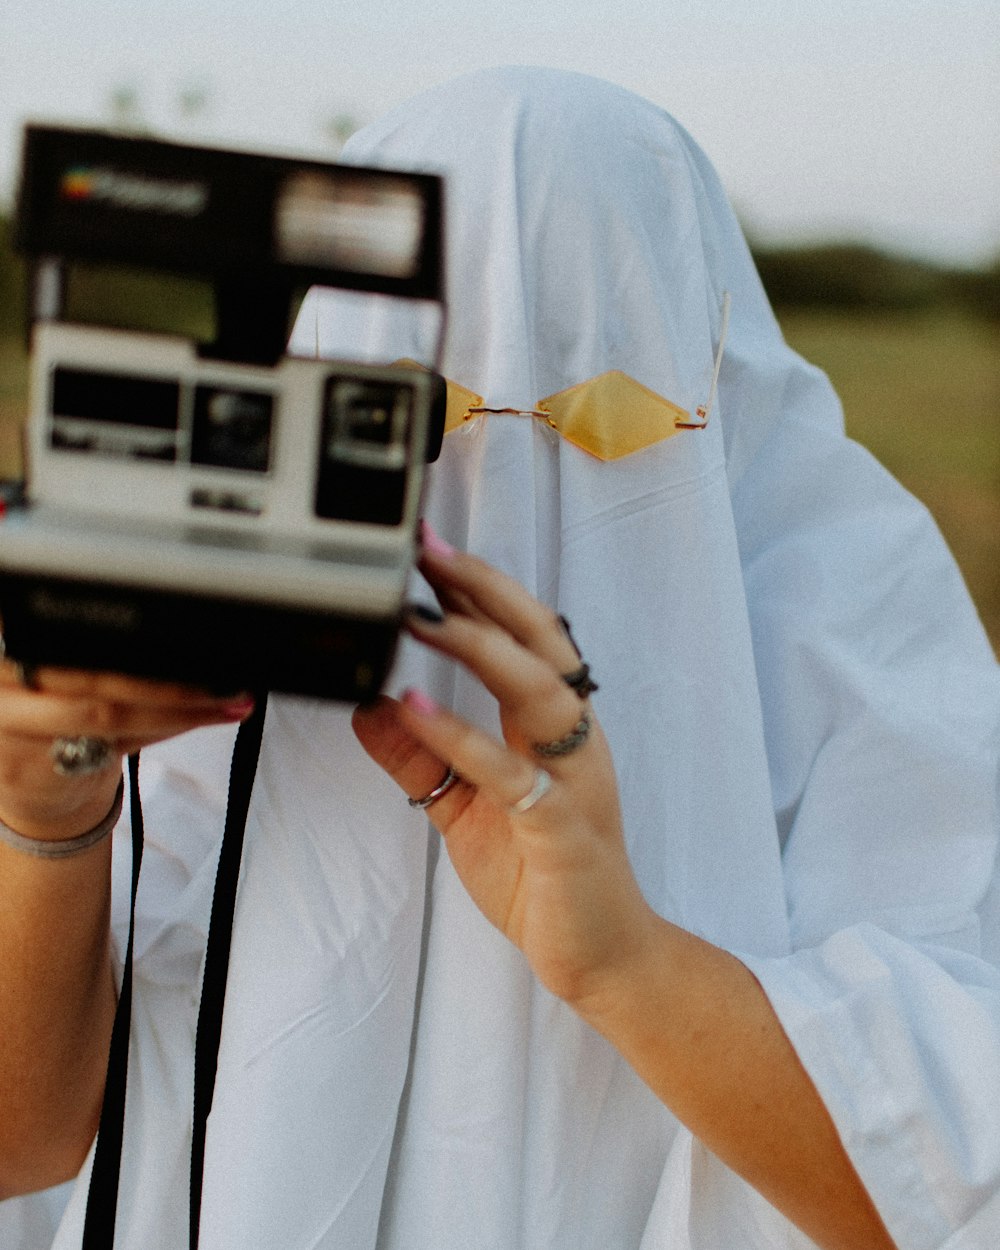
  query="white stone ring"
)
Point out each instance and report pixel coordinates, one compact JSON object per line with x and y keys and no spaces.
{"x":542,"y":785}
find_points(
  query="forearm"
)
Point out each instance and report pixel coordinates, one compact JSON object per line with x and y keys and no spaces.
{"x":57,"y":1003}
{"x":57,"y":997}
{"x":554,"y":876}
{"x":697,"y":1027}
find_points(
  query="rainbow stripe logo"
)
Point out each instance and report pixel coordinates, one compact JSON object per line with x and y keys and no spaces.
{"x":133,"y":192}
{"x":77,"y":183}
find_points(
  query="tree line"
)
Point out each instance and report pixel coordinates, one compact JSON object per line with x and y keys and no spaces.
{"x":839,"y":276}
{"x":858,"y":277}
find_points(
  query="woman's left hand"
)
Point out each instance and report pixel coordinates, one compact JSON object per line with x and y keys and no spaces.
{"x":690,"y":1018}
{"x":554,"y":878}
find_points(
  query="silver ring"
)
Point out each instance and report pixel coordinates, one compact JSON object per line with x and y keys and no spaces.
{"x":576,"y":737}
{"x":541,"y":787}
{"x":451,"y":778}
{"x":78,"y":757}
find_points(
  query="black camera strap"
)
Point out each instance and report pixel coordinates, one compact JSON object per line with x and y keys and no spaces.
{"x":220,"y":931}
{"x":102,"y":1200}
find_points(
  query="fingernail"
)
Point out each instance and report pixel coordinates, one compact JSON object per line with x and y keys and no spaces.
{"x":238,"y":709}
{"x":569,"y":634}
{"x":424,"y":612}
{"x":432,"y":542}
{"x":420,"y":702}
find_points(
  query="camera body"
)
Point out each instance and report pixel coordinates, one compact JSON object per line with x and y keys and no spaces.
{"x":218,"y":513}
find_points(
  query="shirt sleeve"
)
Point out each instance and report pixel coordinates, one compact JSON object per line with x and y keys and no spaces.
{"x":881,"y":704}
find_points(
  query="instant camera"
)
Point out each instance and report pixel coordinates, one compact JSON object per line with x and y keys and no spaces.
{"x":217,"y":512}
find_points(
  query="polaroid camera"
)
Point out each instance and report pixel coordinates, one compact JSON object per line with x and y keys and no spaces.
{"x":218,"y":513}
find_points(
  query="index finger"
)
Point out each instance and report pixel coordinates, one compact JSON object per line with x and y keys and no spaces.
{"x":498,"y":598}
{"x":115,"y":687}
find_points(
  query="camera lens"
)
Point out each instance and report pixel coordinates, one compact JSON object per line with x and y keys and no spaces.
{"x":367,"y":414}
{"x":366,"y":422}
{"x":232,"y":428}
{"x":363,"y":451}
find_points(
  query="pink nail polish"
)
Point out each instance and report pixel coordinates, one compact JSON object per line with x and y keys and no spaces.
{"x":239,"y":709}
{"x":434,"y":543}
{"x":420,"y":702}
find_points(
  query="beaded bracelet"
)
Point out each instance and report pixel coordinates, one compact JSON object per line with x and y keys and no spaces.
{"x":43,"y":849}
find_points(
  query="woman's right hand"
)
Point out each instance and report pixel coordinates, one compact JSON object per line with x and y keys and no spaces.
{"x":57,"y":992}
{"x":128,"y":712}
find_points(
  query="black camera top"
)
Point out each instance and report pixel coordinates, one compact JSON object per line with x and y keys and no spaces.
{"x":258,"y":227}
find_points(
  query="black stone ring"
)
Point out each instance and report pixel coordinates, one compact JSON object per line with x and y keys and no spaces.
{"x":579,"y":680}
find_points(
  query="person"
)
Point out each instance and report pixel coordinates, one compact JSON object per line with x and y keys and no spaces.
{"x":709,"y":958}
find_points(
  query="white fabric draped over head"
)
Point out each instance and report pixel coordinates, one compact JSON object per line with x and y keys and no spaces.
{"x":804,"y":715}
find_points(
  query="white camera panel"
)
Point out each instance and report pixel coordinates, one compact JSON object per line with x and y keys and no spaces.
{"x":135,"y":466}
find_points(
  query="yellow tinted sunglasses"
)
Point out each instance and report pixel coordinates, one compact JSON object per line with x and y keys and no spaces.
{"x":588,"y":415}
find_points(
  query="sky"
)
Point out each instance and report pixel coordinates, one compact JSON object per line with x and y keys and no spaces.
{"x":877,"y":122}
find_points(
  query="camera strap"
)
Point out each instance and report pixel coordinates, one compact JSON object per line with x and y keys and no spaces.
{"x":242,"y":772}
{"x":102,"y":1200}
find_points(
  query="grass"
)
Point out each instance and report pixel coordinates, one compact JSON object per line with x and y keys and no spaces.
{"x":13,"y":404}
{"x":921,"y":391}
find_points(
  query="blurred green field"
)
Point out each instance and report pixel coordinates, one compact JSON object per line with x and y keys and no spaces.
{"x":13,"y":404}
{"x":921,"y":389}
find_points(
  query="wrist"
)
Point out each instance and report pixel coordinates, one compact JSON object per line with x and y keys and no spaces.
{"x":64,"y":848}
{"x":60,"y":809}
{"x":611,"y":997}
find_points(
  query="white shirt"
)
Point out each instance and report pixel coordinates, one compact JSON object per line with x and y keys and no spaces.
{"x":805,"y":717}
